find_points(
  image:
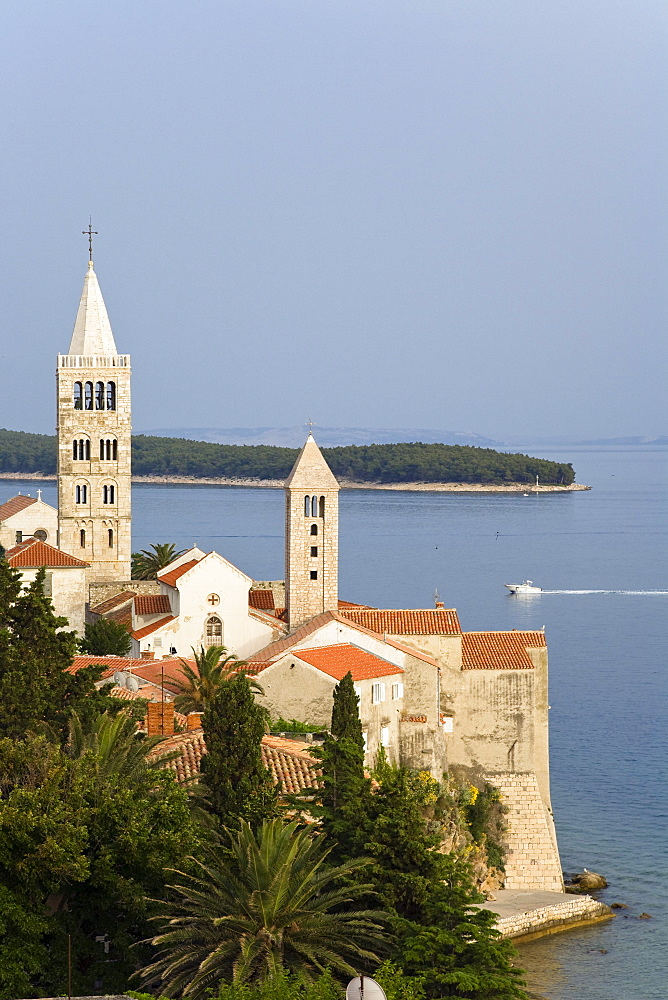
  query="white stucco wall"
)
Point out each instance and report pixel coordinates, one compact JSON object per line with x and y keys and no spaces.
{"x":39,"y":516}
{"x":67,"y":587}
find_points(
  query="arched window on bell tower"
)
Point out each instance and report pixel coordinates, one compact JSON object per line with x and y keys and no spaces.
{"x":99,"y":395}
{"x":88,"y":396}
{"x":111,"y":395}
{"x":78,"y":396}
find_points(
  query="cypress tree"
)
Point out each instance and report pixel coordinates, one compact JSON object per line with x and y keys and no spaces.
{"x":239,"y":785}
{"x":35,"y":653}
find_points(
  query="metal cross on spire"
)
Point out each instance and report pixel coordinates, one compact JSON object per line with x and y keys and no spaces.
{"x":310,"y":425}
{"x":90,"y":233}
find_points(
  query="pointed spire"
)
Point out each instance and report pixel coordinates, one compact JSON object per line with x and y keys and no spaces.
{"x":92,"y":329}
{"x":310,"y":471}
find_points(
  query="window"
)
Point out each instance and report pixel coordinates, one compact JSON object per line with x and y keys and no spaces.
{"x":214,"y":631}
{"x":88,"y":400}
{"x":110,"y":536}
{"x":78,"y":396}
{"x":314,"y":529}
{"x":47,"y":586}
{"x":99,"y":395}
{"x":19,"y":537}
{"x":397,"y":691}
{"x":377,"y":693}
{"x":385,"y":736}
{"x":314,"y":574}
{"x":108,"y":449}
{"x":314,"y":550}
{"x":81,"y":494}
{"x":307,"y":506}
{"x":111,"y":395}
{"x":108,"y":494}
{"x":82,"y":539}
{"x":81,"y":449}
{"x":322,"y":507}
{"x":41,"y":534}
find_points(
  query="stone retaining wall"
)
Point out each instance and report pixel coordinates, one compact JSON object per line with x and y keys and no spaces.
{"x":99,"y":592}
{"x":557,"y":916}
{"x":532,"y":861}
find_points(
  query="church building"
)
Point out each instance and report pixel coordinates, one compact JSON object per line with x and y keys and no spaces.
{"x":94,"y":443}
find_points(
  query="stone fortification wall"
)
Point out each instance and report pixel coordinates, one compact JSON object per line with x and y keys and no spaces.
{"x":99,"y":592}
{"x":532,"y":860}
{"x":554,"y":917}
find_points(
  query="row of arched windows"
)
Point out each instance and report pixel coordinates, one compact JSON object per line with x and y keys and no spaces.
{"x":94,"y":396}
{"x":314,"y":507}
{"x":81,"y":493}
{"x":108,"y":449}
{"x":110,"y":538}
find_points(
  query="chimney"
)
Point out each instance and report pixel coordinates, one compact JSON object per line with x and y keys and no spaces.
{"x":439,"y":605}
{"x":160,"y":718}
{"x":194,"y":720}
{"x":147,"y":654}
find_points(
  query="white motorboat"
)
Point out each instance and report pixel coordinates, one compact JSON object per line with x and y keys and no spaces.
{"x":523,"y":588}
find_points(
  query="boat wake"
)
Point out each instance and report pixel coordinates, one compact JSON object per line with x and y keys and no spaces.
{"x":634,"y":592}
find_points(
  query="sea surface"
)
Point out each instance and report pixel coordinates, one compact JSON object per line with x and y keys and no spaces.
{"x":603,"y":555}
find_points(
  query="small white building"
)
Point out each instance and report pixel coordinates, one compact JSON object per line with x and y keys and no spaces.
{"x":203,"y":602}
{"x":25,"y":517}
{"x":65,"y":580}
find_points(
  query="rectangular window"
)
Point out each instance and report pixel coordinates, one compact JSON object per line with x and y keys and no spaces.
{"x":48,"y":585}
{"x":377,"y":693}
{"x":314,"y":574}
{"x":397,"y":691}
{"x":19,"y":537}
{"x":385,"y":736}
{"x":314,"y":550}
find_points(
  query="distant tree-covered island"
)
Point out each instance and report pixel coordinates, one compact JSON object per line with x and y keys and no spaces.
{"x":21,"y":452}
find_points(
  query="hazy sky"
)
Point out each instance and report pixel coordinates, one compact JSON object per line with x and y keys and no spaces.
{"x":431,"y":213}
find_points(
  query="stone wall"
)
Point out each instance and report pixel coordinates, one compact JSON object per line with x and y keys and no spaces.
{"x":554,"y":917}
{"x":532,"y":860}
{"x":99,"y":592}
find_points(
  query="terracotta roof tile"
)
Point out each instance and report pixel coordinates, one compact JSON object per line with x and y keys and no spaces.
{"x":153,"y":627}
{"x":499,"y":650}
{"x":263,"y":600}
{"x":427,"y":621}
{"x":275,"y":649}
{"x":173,"y":575}
{"x":268,"y":618}
{"x":152,"y":604}
{"x":339,"y":659}
{"x":350,"y":605}
{"x":113,"y":602}
{"x":110,"y":663}
{"x":33,"y":553}
{"x":122,"y":615}
{"x":168,"y":671}
{"x":13,"y":506}
{"x":291,"y":765}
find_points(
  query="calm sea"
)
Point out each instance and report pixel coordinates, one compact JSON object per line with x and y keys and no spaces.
{"x":608,"y":669}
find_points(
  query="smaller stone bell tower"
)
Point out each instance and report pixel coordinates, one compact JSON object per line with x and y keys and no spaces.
{"x":311,"y":537}
{"x":94,"y":442}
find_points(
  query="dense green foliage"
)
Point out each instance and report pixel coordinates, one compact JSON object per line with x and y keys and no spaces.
{"x":238,"y":784}
{"x":35,"y":686}
{"x":105,"y":637}
{"x":267,"y":903}
{"x":375,"y":463}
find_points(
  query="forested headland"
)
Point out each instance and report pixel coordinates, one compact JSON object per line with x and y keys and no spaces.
{"x":21,"y":452}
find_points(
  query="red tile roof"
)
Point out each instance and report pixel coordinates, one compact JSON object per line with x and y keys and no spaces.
{"x":110,"y":663}
{"x":33,"y":553}
{"x":113,"y":602}
{"x":173,"y":575}
{"x":339,"y":659}
{"x":275,"y":649}
{"x":499,"y":650}
{"x":428,"y":621}
{"x":263,"y":600}
{"x":349,"y":605}
{"x":168,"y":671}
{"x":152,"y":604}
{"x":13,"y":506}
{"x":140,"y":633}
{"x":267,"y":618}
{"x":291,"y":765}
{"x":122,"y":615}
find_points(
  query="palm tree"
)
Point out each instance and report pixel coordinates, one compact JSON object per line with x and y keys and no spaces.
{"x":215,"y":666}
{"x":120,"y":752}
{"x":146,"y":564}
{"x":266,"y":903}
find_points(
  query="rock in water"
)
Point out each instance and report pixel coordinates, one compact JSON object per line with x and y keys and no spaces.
{"x":590,"y":880}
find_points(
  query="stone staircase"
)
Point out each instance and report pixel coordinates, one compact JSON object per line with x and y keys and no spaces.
{"x":532,"y":862}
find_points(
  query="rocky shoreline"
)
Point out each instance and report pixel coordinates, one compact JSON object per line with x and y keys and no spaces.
{"x":277,"y":484}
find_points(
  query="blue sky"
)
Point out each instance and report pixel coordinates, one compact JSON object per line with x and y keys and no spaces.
{"x":419,"y":214}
